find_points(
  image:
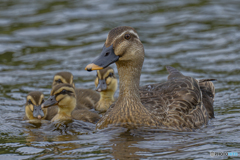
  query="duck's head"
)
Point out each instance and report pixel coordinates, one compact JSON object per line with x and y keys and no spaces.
{"x":33,"y":108}
{"x":106,"y":80}
{"x":122,"y":44}
{"x":63,"y":77}
{"x":62,"y":95}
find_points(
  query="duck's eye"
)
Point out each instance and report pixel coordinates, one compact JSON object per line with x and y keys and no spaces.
{"x":59,"y":81}
{"x":127,"y":36}
{"x":63,"y":91}
{"x":43,"y":101}
{"x":30,"y":102}
{"x":110,"y":74}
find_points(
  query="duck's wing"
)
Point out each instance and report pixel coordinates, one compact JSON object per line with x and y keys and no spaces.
{"x":176,"y":103}
{"x":208,"y":94}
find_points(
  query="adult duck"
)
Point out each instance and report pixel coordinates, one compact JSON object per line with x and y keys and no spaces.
{"x":175,"y":104}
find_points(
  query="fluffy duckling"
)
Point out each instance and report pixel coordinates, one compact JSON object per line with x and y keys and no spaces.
{"x":85,"y":97}
{"x":106,"y":84}
{"x":33,"y":110}
{"x":64,"y":96}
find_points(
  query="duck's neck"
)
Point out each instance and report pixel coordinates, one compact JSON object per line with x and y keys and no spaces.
{"x":129,"y":76}
{"x":128,"y":111}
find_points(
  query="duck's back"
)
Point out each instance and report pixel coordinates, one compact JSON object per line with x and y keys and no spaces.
{"x":177,"y":103}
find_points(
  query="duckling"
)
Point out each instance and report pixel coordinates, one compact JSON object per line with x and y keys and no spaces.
{"x":106,"y":84}
{"x":86,"y":97}
{"x":59,"y":78}
{"x":64,"y":96}
{"x":175,"y":104}
{"x":33,"y":110}
{"x":208,"y":94}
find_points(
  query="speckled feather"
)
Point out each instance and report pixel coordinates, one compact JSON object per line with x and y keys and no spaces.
{"x":177,"y":102}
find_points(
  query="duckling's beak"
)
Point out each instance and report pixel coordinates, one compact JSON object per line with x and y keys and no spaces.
{"x":50,"y":102}
{"x":101,"y":85}
{"x":38,"y":112}
{"x":106,"y":58}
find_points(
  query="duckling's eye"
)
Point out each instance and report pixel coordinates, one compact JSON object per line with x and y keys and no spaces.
{"x":63,"y":91}
{"x":30,"y":102}
{"x":110,"y":74}
{"x":127,"y":36}
{"x":58,"y":81}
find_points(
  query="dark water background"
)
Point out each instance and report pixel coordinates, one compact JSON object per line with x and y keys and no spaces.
{"x":41,"y":37}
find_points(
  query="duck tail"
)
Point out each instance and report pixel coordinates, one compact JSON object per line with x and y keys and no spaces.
{"x":206,"y":80}
{"x":171,"y":70}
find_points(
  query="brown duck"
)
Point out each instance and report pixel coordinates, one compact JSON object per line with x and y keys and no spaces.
{"x":176,"y":104}
{"x":106,"y":85}
{"x":64,"y":96}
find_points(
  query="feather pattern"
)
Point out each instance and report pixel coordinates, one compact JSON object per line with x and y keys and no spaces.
{"x":176,"y":104}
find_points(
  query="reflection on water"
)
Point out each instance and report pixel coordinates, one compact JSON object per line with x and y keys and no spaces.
{"x":40,"y":38}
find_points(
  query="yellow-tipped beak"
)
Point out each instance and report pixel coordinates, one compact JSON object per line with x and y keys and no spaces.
{"x":92,"y":66}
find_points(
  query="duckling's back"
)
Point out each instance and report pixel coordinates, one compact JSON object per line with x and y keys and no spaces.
{"x":85,"y":115}
{"x":86,"y":97}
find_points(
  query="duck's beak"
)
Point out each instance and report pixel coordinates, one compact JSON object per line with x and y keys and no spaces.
{"x":101,"y":85}
{"x":50,"y":102}
{"x":106,"y":58}
{"x":38,"y":112}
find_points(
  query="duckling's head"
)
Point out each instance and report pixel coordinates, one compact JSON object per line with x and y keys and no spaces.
{"x":33,"y":108}
{"x":122,"y":45}
{"x":63,"y":77}
{"x":62,"y":95}
{"x":106,"y":80}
